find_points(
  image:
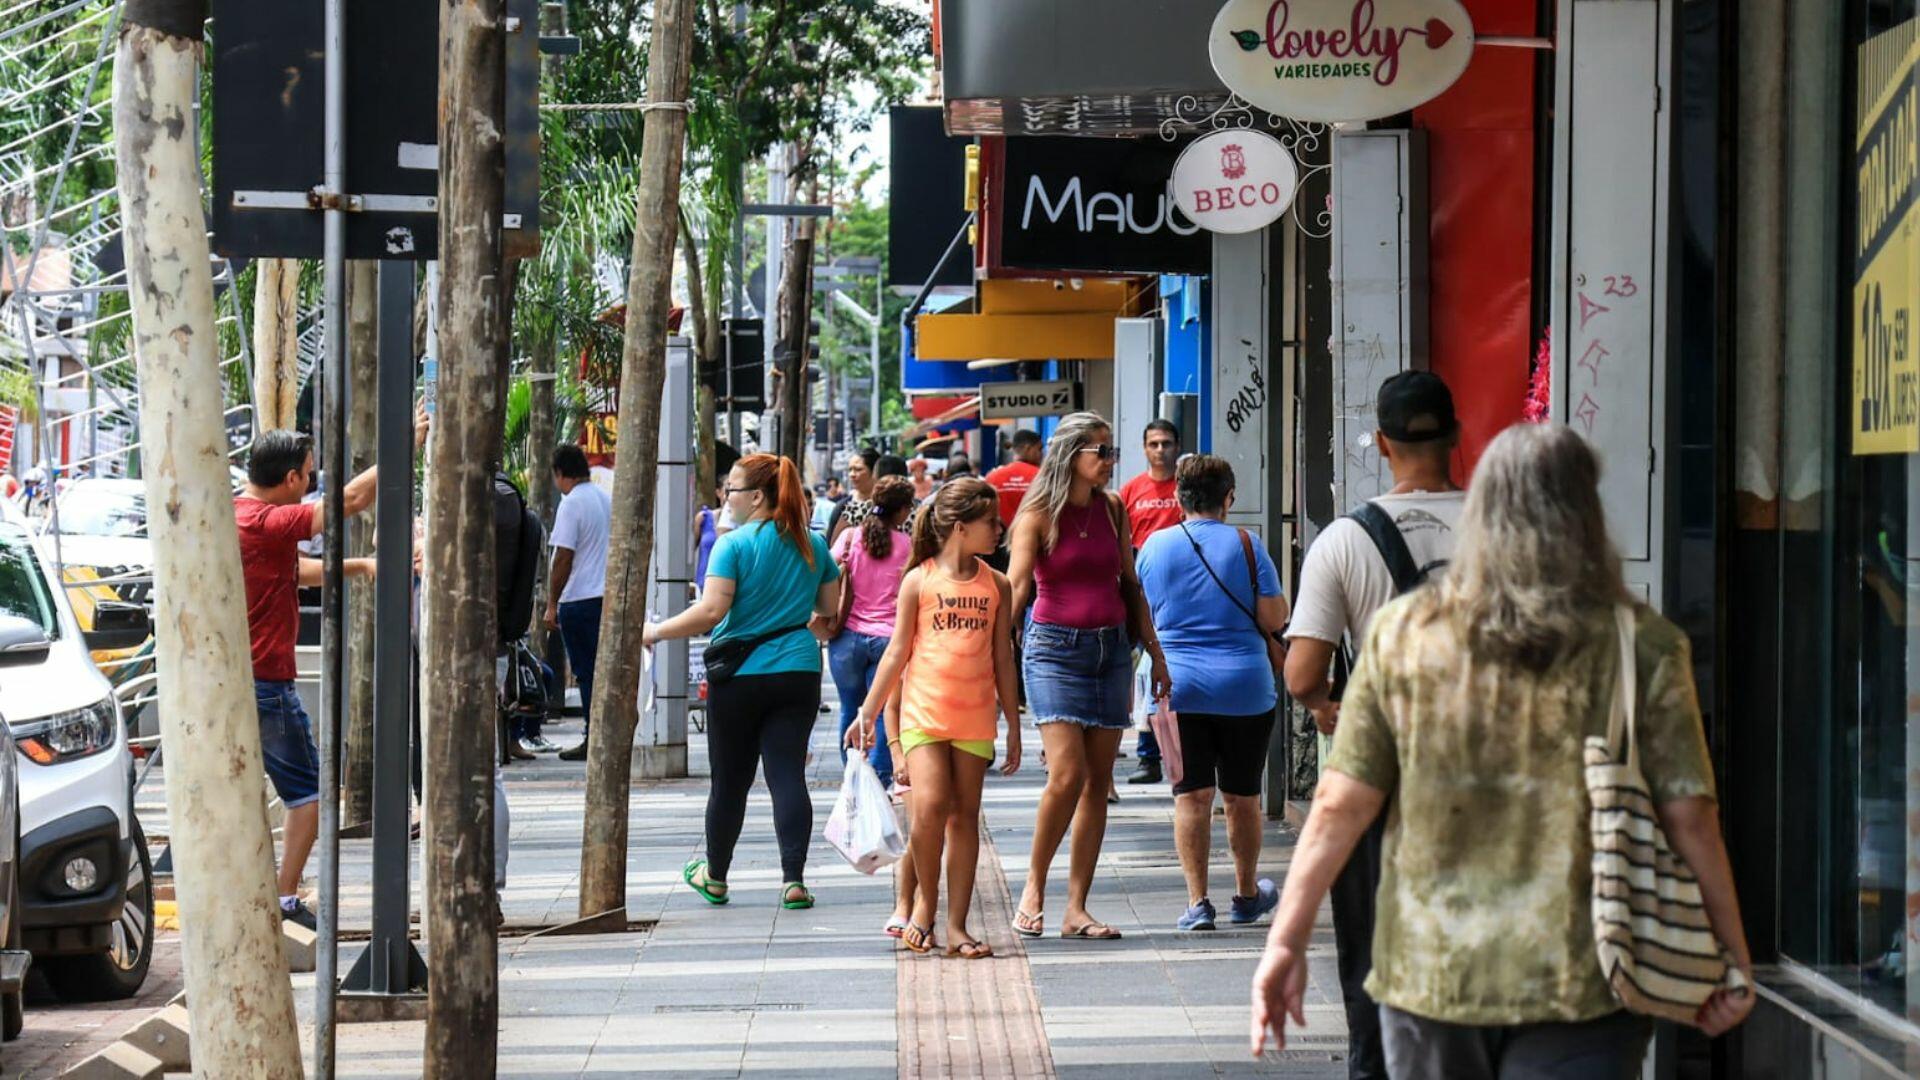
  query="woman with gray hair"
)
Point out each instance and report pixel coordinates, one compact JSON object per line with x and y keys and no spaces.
{"x":1072,"y":559}
{"x":1470,"y":709}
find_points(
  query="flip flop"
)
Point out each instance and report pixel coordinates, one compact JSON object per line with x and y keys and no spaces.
{"x":802,"y":903}
{"x":705,"y":885}
{"x":896,"y":927}
{"x":1029,"y":925}
{"x":970,"y":950}
{"x":1093,"y":931}
{"x":918,"y":938}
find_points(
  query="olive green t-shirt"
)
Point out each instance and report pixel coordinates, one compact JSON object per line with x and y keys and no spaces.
{"x":1486,"y":877}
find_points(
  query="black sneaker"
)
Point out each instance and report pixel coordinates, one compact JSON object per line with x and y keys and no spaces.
{"x":575,"y":753}
{"x":300,"y":915}
{"x":1147,"y":773}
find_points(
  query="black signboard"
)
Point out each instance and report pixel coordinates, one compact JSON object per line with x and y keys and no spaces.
{"x":928,"y":172}
{"x":1098,"y":205}
{"x":269,"y":82}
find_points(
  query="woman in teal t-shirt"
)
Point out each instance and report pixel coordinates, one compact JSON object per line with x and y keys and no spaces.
{"x":768,"y":578}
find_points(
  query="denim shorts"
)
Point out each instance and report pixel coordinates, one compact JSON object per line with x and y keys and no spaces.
{"x":1077,"y":676}
{"x":286,"y":743}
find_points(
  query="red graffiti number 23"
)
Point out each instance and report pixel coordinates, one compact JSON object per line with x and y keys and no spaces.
{"x":1621,"y":285}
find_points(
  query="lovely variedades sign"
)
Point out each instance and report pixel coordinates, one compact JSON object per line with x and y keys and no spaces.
{"x":1333,"y":60}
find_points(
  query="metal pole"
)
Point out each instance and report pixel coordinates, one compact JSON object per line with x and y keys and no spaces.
{"x":332,"y":595}
{"x":879,"y":312}
{"x":390,"y":968}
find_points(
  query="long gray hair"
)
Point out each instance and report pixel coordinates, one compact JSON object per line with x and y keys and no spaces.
{"x":1051,"y":486}
{"x":1533,"y":564}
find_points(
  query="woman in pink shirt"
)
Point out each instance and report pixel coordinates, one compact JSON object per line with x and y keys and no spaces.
{"x":873,"y":558}
{"x":1072,"y":559}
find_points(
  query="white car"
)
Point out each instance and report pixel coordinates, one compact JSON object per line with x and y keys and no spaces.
{"x":86,"y":893}
{"x":102,"y":523}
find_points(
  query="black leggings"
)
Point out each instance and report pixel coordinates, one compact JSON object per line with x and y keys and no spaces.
{"x":753,"y":719}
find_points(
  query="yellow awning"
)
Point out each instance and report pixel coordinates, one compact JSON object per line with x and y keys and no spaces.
{"x":1058,"y":319}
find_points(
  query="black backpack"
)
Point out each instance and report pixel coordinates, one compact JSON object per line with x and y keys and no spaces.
{"x":1407,"y":576}
{"x":518,"y":539}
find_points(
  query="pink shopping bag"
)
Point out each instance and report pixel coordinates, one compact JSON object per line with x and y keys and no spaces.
{"x":1166,"y":731}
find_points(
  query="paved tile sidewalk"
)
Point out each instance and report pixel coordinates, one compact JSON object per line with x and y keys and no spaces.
{"x":749,"y":989}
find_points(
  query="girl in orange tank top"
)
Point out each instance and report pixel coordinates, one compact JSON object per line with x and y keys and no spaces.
{"x":952,"y":654}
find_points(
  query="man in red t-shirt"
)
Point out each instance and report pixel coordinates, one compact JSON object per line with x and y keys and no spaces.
{"x":273,"y":522}
{"x":1014,"y":478}
{"x":1152,"y":506}
{"x":1149,"y":498}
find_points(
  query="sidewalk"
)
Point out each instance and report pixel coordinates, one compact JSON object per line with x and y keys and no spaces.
{"x":751,"y":989}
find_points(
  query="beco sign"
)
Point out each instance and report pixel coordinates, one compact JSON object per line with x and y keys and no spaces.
{"x":1330,"y":60}
{"x":1235,"y":181}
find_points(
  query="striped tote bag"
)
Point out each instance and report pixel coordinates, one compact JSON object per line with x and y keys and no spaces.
{"x":1656,"y":947}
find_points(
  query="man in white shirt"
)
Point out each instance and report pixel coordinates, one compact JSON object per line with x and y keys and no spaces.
{"x":581,"y":526}
{"x":1386,"y":546}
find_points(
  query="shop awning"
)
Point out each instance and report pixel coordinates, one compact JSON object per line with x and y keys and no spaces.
{"x":1059,"y":319}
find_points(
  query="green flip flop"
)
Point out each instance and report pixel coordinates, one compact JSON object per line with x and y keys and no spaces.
{"x":804,"y":901}
{"x":705,"y":885}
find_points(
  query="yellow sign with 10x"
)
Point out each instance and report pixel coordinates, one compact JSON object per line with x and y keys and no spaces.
{"x":1886,"y":272}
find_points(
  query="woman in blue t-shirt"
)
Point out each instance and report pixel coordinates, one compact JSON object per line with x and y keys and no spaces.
{"x":1216,"y":597}
{"x":769,"y":578}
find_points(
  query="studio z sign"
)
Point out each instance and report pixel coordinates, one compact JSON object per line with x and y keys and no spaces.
{"x":1235,"y":181}
{"x":1020,"y":400}
{"x":1334,"y":60}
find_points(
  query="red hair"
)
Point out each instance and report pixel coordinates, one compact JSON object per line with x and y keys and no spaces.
{"x":776,"y":478}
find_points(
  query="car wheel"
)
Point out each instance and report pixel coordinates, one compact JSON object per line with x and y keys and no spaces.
{"x":13,"y":1007}
{"x":120,"y":971}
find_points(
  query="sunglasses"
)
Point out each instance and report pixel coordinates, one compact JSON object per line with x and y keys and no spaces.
{"x":1106,"y":451}
{"x":738,"y":491}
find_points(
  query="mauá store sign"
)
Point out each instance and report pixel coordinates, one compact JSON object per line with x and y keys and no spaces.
{"x":1333,"y":60}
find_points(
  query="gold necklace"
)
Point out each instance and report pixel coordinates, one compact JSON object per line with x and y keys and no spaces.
{"x":1086,"y":521}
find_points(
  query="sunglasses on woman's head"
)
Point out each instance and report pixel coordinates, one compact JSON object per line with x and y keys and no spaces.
{"x":1107,"y":451}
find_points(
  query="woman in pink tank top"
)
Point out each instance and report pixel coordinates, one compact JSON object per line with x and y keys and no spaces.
{"x":1071,"y":560}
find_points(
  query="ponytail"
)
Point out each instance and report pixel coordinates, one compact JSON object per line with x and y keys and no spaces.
{"x":925,"y":544}
{"x":779,"y":481}
{"x":892,"y":499}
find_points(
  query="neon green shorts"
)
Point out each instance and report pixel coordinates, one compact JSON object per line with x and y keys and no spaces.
{"x":913,"y":737}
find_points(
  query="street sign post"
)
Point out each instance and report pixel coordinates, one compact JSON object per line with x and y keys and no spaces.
{"x":1014,"y":400}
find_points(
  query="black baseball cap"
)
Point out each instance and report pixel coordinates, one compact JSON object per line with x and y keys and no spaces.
{"x":1415,"y":406}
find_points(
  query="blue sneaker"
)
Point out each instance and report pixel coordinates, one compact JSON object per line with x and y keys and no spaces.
{"x":1265,"y":898}
{"x":1198,"y":917}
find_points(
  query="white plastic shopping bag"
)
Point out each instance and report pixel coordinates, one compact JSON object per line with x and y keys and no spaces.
{"x":1142,"y":705}
{"x":862,"y":827}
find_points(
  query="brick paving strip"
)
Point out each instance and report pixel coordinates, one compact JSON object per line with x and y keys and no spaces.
{"x":973,"y":1018}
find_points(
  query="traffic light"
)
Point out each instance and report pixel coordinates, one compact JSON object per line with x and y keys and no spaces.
{"x":813,"y":339}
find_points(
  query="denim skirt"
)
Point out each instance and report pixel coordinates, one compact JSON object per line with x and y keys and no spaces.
{"x":1077,"y":676}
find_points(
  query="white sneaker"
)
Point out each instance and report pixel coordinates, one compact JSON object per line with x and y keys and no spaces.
{"x":540,"y":745}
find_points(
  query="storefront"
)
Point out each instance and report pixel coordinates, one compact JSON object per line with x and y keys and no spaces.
{"x":1798,"y":505}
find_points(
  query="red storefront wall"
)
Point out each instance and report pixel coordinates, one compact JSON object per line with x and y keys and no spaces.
{"x":1480,"y":156}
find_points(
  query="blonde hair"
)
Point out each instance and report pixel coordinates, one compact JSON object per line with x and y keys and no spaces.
{"x":1054,"y":482}
{"x":1533,"y":563}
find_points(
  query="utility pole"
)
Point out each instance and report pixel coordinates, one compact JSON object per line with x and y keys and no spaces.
{"x":643,"y":361}
{"x":463,"y":988}
{"x":242,"y":1015}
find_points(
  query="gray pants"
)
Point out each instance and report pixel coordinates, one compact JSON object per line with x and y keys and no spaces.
{"x":1609,"y":1048}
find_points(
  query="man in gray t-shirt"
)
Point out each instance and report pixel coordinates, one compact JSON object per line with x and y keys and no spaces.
{"x":1343,"y":582}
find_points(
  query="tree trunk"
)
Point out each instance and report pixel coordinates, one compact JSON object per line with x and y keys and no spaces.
{"x":463,"y":987}
{"x":242,"y":1017}
{"x":796,"y":307}
{"x":708,"y":356}
{"x":276,"y":343}
{"x":540,"y":443}
{"x":363,"y":365}
{"x":643,"y":367}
